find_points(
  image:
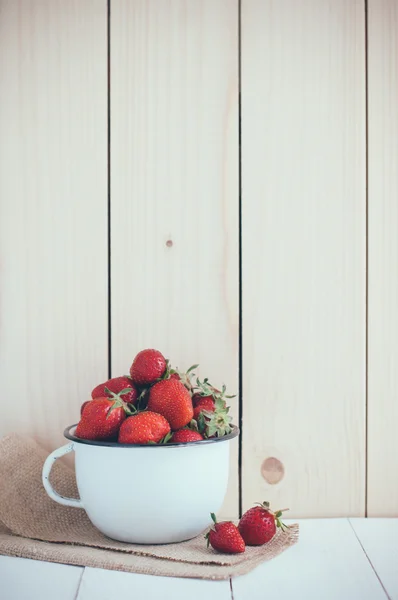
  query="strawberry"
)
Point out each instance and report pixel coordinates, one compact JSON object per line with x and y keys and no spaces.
{"x":225,"y":537}
{"x":117,"y":385}
{"x":206,"y":390}
{"x":258,"y":524}
{"x":148,"y":366}
{"x":212,"y":417}
{"x":197,"y":397}
{"x":171,"y":399}
{"x":186,"y":435}
{"x":175,"y":376}
{"x":144,"y":428}
{"x":101,"y":419}
{"x":201,"y":403}
{"x":83,"y":406}
{"x":211,"y":410}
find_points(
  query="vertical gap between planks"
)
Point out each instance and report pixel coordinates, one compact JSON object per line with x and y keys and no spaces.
{"x":109,"y":184}
{"x":231,"y":588}
{"x":368,"y":558}
{"x":366,"y":257}
{"x":79,"y":584}
{"x":240,"y":252}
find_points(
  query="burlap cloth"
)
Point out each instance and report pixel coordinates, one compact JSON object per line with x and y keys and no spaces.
{"x":34,"y":526}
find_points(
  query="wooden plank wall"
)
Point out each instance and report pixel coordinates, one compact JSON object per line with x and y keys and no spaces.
{"x":303,"y":244}
{"x":53,"y":203}
{"x":174,"y":190}
{"x":383,"y":257}
{"x":315,"y":403}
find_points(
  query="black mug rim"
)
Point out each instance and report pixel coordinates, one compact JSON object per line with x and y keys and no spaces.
{"x":67,"y":433}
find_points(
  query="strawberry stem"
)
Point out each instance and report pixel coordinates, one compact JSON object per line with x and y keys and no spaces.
{"x":166,"y":438}
{"x":119,"y":403}
{"x":276,"y":514}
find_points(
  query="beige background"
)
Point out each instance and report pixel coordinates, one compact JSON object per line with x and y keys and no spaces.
{"x":298,"y":172}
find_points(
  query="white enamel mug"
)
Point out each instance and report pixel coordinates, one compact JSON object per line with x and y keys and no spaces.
{"x":147,"y":494}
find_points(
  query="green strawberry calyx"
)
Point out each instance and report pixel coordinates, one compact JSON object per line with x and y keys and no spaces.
{"x":118,"y":402}
{"x":193,"y":426}
{"x":276,"y":514}
{"x":207,"y":536}
{"x":205,"y":388}
{"x":185,"y":377}
{"x":164,"y":440}
{"x":215,"y":423}
{"x":218,"y":422}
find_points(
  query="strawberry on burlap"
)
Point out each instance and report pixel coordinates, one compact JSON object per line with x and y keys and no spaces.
{"x":34,"y":526}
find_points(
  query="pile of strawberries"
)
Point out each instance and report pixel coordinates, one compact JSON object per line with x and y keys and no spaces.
{"x":257,"y":526}
{"x":155,"y":404}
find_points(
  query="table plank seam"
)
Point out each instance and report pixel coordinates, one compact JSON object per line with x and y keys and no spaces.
{"x":368,"y":558}
{"x":79,"y":584}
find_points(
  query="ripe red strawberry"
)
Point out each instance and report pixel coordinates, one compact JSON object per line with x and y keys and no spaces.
{"x":225,"y":537}
{"x":197,"y":396}
{"x":83,"y":406}
{"x":117,"y":385}
{"x":171,"y":399}
{"x":201,"y":403}
{"x":258,"y":524}
{"x":148,"y":366}
{"x":144,"y":428}
{"x":101,"y":419}
{"x":186,"y":435}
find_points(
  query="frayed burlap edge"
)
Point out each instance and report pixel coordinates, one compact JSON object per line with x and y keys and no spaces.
{"x":83,"y":556}
{"x":27,"y":511}
{"x":34,"y":526}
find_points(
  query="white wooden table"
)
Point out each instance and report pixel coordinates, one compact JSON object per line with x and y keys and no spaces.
{"x":335,"y":559}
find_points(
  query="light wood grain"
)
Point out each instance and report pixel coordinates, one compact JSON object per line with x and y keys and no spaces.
{"x":379,"y":539}
{"x":317,"y":567}
{"x":383,"y":258}
{"x":25,"y":579}
{"x":328,"y":563}
{"x":304,"y":212}
{"x":174,"y":173}
{"x":107,"y":585}
{"x":53,"y":220}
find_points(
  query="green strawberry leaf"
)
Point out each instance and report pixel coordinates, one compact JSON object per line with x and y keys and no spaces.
{"x":201,"y":423}
{"x":166,"y":438}
{"x":193,"y":425}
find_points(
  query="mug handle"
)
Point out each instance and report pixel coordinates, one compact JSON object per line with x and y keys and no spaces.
{"x":48,"y":465}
